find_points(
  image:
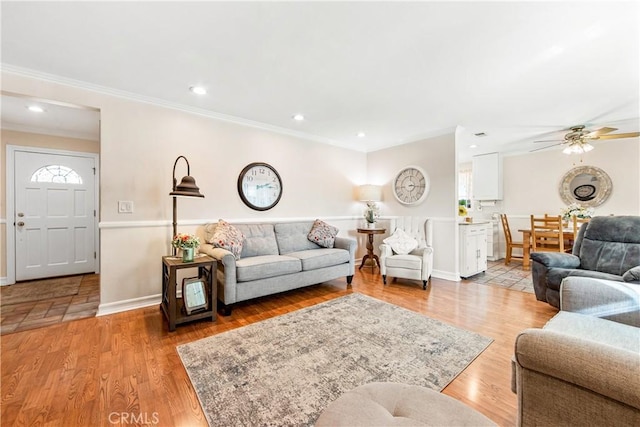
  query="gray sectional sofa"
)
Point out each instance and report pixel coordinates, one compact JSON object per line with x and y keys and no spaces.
{"x":276,"y":257}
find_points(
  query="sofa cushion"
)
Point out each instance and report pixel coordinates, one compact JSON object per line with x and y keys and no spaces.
{"x":292,"y":236}
{"x":323,"y":234}
{"x":596,"y":329}
{"x":611,"y":244}
{"x":226,"y":236}
{"x":265,"y":266}
{"x":319,"y":258}
{"x":555,"y":276}
{"x":411,"y":262}
{"x":259,"y":239}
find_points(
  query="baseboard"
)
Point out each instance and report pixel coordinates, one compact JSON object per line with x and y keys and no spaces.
{"x":126,"y":305}
{"x":446,"y":275}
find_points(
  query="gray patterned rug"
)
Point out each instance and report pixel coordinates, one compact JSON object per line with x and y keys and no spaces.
{"x":287,"y":369}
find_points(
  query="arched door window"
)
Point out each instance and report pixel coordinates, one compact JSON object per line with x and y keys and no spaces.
{"x":57,"y":174}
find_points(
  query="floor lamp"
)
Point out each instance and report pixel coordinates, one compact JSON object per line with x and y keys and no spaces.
{"x":187,"y":188}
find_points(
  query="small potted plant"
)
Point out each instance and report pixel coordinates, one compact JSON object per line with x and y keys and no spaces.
{"x":576,"y":210}
{"x":371,"y":214}
{"x":187,"y":243}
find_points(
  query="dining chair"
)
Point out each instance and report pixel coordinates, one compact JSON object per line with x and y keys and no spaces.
{"x":547,"y":234}
{"x":510,"y":243}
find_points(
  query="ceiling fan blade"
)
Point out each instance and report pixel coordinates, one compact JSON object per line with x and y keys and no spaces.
{"x":601,"y":131}
{"x":544,"y":148}
{"x":551,"y":140}
{"x":620,"y":135}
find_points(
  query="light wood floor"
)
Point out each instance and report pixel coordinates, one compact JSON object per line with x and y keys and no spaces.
{"x":123,"y":369}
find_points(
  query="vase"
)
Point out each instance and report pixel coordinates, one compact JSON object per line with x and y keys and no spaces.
{"x":187,"y":254}
{"x":371,"y":225}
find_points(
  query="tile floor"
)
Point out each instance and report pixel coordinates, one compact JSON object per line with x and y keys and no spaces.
{"x":31,"y":315}
{"x":505,"y":276}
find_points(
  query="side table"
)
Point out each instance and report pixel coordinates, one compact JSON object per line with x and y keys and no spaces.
{"x":370,"y":255}
{"x":171,"y":305}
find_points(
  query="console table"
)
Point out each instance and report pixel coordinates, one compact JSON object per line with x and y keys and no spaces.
{"x":370,"y":255}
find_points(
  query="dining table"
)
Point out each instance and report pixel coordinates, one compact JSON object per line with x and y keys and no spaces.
{"x":526,"y":244}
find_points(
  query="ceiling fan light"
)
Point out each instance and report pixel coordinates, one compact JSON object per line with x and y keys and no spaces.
{"x":567,"y":150}
{"x":586,"y":147}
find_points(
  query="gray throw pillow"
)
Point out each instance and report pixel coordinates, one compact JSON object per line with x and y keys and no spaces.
{"x":632,"y":274}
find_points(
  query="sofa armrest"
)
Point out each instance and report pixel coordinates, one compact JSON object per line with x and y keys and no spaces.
{"x":608,"y":299}
{"x":556,"y":259}
{"x":346,"y":243}
{"x":350,"y":245}
{"x":600,"y":368}
{"x":632,"y":275}
{"x":226,"y":273}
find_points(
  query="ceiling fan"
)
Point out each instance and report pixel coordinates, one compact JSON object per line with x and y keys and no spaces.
{"x":578,"y":138}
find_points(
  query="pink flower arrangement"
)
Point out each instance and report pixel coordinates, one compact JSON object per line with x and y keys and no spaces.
{"x":182,"y":241}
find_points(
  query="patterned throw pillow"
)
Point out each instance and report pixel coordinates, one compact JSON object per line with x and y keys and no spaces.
{"x":226,"y":236}
{"x":323,"y":234}
{"x":401,"y":243}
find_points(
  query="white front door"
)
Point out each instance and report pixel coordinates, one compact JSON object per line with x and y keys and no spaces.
{"x":54,"y":214}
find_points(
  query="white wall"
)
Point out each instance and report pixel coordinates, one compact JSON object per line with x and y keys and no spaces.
{"x":438,"y":159}
{"x":138,"y":145}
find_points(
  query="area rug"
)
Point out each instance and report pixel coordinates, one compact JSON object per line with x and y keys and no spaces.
{"x":287,"y":369}
{"x":40,"y":290}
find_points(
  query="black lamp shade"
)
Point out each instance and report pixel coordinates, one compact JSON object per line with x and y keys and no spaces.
{"x":187,"y":187}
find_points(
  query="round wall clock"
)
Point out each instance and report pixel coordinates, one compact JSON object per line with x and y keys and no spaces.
{"x":259,"y":186}
{"x":411,"y":185}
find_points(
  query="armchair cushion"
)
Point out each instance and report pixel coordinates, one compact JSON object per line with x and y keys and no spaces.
{"x":632,"y":274}
{"x":401,"y":243}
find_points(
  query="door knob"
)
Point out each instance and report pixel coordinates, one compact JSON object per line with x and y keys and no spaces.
{"x":20,"y":223}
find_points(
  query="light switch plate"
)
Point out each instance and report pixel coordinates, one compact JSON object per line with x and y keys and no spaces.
{"x":125,"y":206}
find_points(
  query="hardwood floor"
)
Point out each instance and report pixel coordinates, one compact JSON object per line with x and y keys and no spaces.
{"x":123,"y":369}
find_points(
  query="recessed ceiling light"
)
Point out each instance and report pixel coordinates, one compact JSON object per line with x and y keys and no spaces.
{"x":35,"y":109}
{"x":361,"y":134}
{"x":198,"y":90}
{"x":298,"y":117}
{"x":473,"y":146}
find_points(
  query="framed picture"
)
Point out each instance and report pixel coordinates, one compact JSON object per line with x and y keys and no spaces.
{"x":194,"y":294}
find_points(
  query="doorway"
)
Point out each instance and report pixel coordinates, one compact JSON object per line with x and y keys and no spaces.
{"x":52,"y":206}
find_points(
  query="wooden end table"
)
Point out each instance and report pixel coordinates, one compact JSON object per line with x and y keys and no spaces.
{"x":171,"y":305}
{"x":370,"y":255}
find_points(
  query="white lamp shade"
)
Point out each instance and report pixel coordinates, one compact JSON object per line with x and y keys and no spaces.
{"x":369,"y":193}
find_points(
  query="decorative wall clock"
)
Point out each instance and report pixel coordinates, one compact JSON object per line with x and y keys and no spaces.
{"x":411,"y":185}
{"x":260,"y":186}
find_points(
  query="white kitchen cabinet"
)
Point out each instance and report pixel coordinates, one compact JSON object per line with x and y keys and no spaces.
{"x":473,"y":248}
{"x":487,"y":176}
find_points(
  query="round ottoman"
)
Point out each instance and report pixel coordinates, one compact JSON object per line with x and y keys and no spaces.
{"x":393,"y":404}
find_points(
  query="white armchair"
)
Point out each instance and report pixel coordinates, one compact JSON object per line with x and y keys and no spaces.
{"x":417,"y":264}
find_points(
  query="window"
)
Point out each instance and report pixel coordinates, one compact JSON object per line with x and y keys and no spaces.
{"x":465,"y":187}
{"x":56,"y":174}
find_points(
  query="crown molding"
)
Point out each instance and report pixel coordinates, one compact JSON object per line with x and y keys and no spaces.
{"x":54,"y":132}
{"x":26,"y":72}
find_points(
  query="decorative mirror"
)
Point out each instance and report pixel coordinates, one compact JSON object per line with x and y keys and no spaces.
{"x":586,"y":185}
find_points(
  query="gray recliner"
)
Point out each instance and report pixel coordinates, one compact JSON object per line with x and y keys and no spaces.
{"x":607,"y":247}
